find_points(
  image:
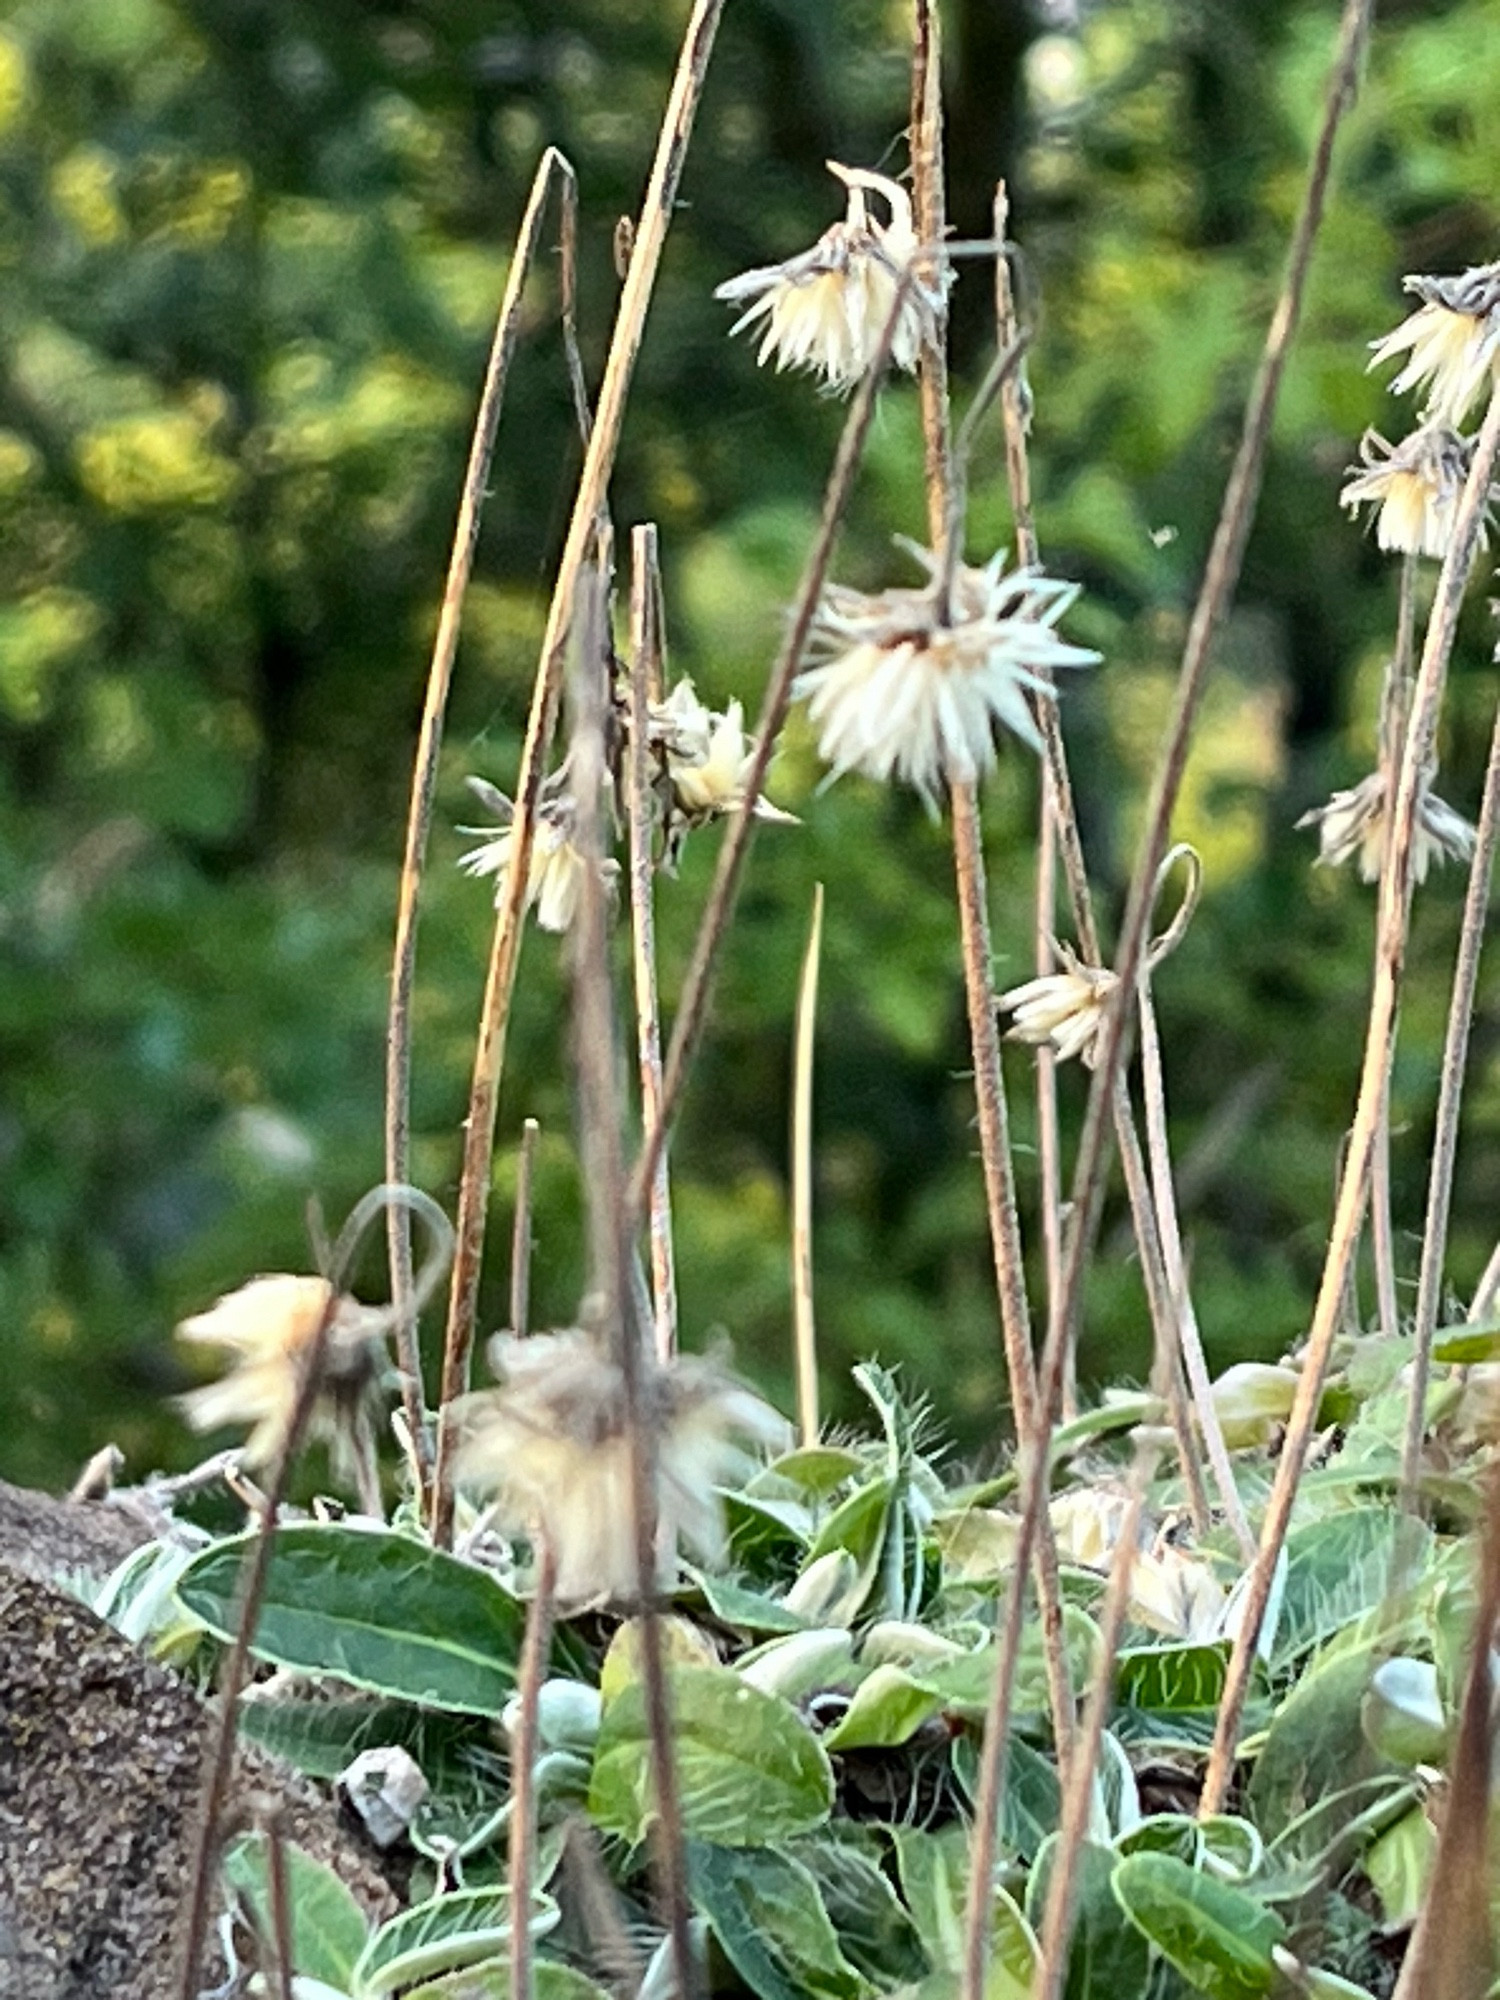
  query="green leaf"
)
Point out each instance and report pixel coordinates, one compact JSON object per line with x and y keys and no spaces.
{"x":1338,"y":1568}
{"x":377,"y":1610}
{"x":1108,"y":1957}
{"x":934,"y":1873}
{"x":1030,"y":1799}
{"x":1173,"y":1679}
{"x":749,"y":1769}
{"x":816,"y":1469}
{"x":888,"y":1709}
{"x":744,"y":1610}
{"x":1461,"y":1346}
{"x":328,"y":1927}
{"x":1316,"y":1742}
{"x":875,"y":1933}
{"x":550,"y":1980}
{"x":765,"y":1910}
{"x":1217,"y":1937}
{"x":460,"y":1929}
{"x":1399,"y":1865}
{"x":322,"y":1737}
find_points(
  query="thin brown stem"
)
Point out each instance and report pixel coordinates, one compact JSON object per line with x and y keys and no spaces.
{"x":520,"y":1234}
{"x":280,"y":1902}
{"x":1445,"y":1138}
{"x":523,"y":1751}
{"x":645,"y":686}
{"x":804,"y":1326}
{"x":698,"y":983}
{"x":1190,"y":1341}
{"x":552,"y":168}
{"x":1395,"y":704}
{"x":593,"y":487}
{"x":1395,"y":907}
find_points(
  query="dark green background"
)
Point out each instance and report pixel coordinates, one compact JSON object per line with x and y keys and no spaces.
{"x":249,"y":255}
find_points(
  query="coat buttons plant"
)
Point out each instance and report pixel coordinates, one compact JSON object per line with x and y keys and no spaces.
{"x":1452,"y":339}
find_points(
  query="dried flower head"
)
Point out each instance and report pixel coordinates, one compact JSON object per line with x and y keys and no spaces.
{"x":1453,"y":339}
{"x":268,"y":1327}
{"x":551,"y":1447}
{"x":827,"y":308}
{"x":556,"y":875}
{"x":1064,"y":1008}
{"x":1354,"y":822}
{"x":910,"y":683}
{"x":1417,"y":485}
{"x":707,"y":758}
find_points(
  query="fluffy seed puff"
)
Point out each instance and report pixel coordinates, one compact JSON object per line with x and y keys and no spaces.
{"x":1452,"y":341}
{"x":267,"y":1329}
{"x":556,"y":876}
{"x":1063,"y":1008}
{"x":911,"y":683}
{"x":826,"y":309}
{"x":1354,"y":823}
{"x":551,"y":1449}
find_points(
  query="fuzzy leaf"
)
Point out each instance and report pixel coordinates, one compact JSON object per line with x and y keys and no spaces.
{"x":1174,"y":1679}
{"x":379,"y":1611}
{"x":888,"y":1708}
{"x":766,"y":1912}
{"x":1217,"y":1937}
{"x":327,"y":1925}
{"x":461,"y":1929}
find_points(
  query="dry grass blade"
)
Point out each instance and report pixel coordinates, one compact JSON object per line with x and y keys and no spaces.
{"x":281,"y":1907}
{"x":1445,"y":1139}
{"x":1395,"y":906}
{"x":520,"y":1235}
{"x":645,"y":687}
{"x":523,"y":1753}
{"x":805,"y":1331}
{"x":593,"y":486}
{"x":553,"y":169}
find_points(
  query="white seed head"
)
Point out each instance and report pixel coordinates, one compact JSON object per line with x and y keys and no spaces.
{"x":557,"y":872}
{"x":1452,"y":340}
{"x":1250,"y":1399}
{"x":1064,"y":1008}
{"x":907,"y":684}
{"x":551,"y":1447}
{"x":708,"y":758}
{"x":1416,"y":486}
{"x":266,"y":1329}
{"x":1354,"y":823}
{"x":826,"y":309}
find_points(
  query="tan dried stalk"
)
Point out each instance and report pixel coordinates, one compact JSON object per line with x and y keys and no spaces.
{"x":804,"y":1326}
{"x":1219,"y":579}
{"x":553,"y":168}
{"x":645,"y":687}
{"x":1391,"y":937}
{"x":1445,"y":1137}
{"x":944,"y":485}
{"x":593,"y":487}
{"x":280,"y":1905}
{"x":523,"y":1750}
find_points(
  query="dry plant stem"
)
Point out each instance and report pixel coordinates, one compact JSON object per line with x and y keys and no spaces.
{"x":1088,"y":1183}
{"x":1487,"y":1290}
{"x":802,"y":1181}
{"x":520,"y":1235}
{"x":611,"y":1235}
{"x":593,"y":487}
{"x":1078,"y":1792}
{"x":1154,"y":1096}
{"x":1220,"y":576}
{"x":1160,"y":1297}
{"x":220,"y":1759}
{"x":740,"y":827}
{"x":281,"y":1907}
{"x":1395,"y":906}
{"x":533,"y":1671}
{"x":553,"y":167}
{"x":1394,"y":704}
{"x":1450,"y":1954}
{"x":1445,"y":1140}
{"x":645,"y":675}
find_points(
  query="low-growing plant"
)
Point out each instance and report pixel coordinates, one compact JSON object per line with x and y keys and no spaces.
{"x":1193,"y":1694}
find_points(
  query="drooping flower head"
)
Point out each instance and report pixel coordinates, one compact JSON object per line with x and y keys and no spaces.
{"x":556,"y":876}
{"x":1065,"y":1009}
{"x":1354,"y":823}
{"x":267,"y":1328}
{"x":551,"y":1448}
{"x":826,"y":309}
{"x":707,"y":758}
{"x":1416,"y":485}
{"x":1452,"y":339}
{"x":911,"y":683}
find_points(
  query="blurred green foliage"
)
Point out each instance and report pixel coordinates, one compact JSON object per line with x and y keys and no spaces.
{"x":250,"y":253}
